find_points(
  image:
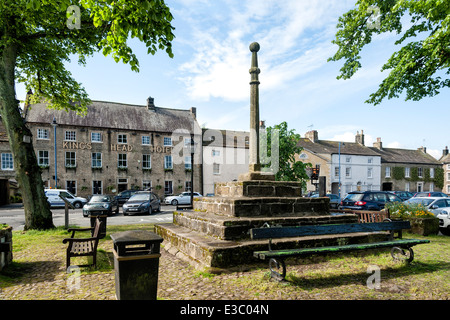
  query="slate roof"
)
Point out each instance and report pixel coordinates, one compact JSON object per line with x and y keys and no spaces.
{"x":225,"y":138}
{"x":114,"y":115}
{"x":393,"y":155}
{"x":332,"y":147}
{"x":388,"y":155}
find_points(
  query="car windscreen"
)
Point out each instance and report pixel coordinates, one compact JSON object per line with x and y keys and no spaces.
{"x":354,"y":197}
{"x":99,"y":199}
{"x":140,"y":197}
{"x":423,"y":201}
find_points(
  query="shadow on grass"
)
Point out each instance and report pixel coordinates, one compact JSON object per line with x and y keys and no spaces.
{"x":37,"y":271}
{"x":309,"y":282}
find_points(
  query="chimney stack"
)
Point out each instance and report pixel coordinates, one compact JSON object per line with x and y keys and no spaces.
{"x":423,"y":149}
{"x":194,"y":112}
{"x":312,"y":135}
{"x":445,"y":151}
{"x":359,"y":138}
{"x":378,"y":144}
{"x":151,"y":104}
{"x":262,"y":124}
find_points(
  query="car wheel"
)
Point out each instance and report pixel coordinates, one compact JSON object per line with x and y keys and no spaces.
{"x":174,"y":202}
{"x":77,"y":205}
{"x":445,"y":231}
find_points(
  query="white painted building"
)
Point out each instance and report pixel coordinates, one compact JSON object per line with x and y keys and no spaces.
{"x":351,"y":165}
{"x":225,"y":157}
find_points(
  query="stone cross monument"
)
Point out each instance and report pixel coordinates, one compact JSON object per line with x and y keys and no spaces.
{"x":254,"y":172}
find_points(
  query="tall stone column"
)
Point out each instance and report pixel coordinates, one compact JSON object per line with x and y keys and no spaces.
{"x":254,"y":172}
{"x":254,"y":164}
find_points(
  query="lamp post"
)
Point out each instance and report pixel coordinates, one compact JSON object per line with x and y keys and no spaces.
{"x":54,"y":124}
{"x":193,"y":146}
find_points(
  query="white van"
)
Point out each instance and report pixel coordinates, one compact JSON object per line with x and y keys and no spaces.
{"x":55,"y":201}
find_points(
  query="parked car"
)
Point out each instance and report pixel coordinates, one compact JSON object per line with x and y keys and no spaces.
{"x":430,"y":194}
{"x":368,"y":200}
{"x":54,"y":199}
{"x":433,"y":204}
{"x":444,"y":222}
{"x":142,"y":202}
{"x":182,"y":198}
{"x":100,"y":205}
{"x":404,"y":195}
{"x":123,"y":196}
{"x":334,"y":200}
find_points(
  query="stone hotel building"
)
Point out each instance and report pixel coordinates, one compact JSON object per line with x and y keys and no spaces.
{"x":115,"y":147}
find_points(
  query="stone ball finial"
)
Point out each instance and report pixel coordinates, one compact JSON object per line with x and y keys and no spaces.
{"x":254,"y":47}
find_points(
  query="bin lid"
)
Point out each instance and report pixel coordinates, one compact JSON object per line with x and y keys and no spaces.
{"x":135,"y":237}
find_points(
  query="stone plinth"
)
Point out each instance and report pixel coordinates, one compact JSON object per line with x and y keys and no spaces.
{"x":216,"y":232}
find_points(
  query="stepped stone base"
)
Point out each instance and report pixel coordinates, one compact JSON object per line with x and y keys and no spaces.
{"x":231,"y":228}
{"x":216,"y":232}
{"x":203,"y":251}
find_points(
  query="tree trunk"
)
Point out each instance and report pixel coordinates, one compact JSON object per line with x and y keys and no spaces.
{"x":28,"y":175}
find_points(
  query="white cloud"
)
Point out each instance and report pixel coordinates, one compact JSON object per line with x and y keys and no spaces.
{"x":221,"y":58}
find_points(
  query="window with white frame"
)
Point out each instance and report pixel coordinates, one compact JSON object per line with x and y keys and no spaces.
{"x":216,"y":168}
{"x":96,"y":137}
{"x":431,"y":173}
{"x":70,"y":159}
{"x":369,"y":173}
{"x":431,"y":186}
{"x":387,"y":172}
{"x":7,"y":161}
{"x":187,"y":163}
{"x":42,"y":134}
{"x":448,"y":188}
{"x":167,"y":141}
{"x":370,"y":160}
{"x":145,"y":140}
{"x":420,"y":172}
{"x":168,"y":162}
{"x":122,"y":160}
{"x":146,"y":161}
{"x":348,"y":159}
{"x":96,"y":160}
{"x":168,"y":187}
{"x":348,"y":172}
{"x":407,"y":186}
{"x":97,"y":187}
{"x":43,"y":159}
{"x":216,"y":153}
{"x":70,"y":135}
{"x":122,"y":138}
{"x":187,"y":185}
{"x":336,"y":172}
{"x":407,"y":172}
{"x":448,"y":176}
{"x":71,"y":186}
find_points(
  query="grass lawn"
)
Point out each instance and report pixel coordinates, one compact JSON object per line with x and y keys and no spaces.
{"x":38,"y":272}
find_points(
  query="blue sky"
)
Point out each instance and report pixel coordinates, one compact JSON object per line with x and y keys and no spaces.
{"x":298,"y":85}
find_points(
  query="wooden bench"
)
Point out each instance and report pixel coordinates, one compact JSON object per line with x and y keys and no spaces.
{"x":79,"y":247}
{"x":400,"y":247}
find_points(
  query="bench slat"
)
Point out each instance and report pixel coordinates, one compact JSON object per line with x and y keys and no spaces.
{"x":335,"y":249}
{"x":284,"y":232}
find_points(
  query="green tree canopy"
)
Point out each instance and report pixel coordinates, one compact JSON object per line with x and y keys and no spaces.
{"x":421,"y":67}
{"x":37,"y":38}
{"x":289,"y":169}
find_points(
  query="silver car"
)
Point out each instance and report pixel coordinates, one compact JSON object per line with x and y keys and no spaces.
{"x":433,"y":204}
{"x":182,"y":198}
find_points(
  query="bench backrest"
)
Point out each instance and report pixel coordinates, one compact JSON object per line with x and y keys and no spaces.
{"x":324,"y":229}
